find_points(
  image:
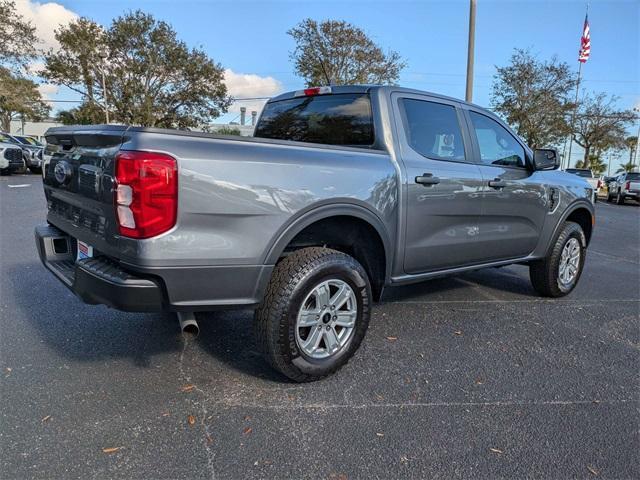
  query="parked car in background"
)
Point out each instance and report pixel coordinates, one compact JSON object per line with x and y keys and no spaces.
{"x":31,"y":149}
{"x":341,"y":192}
{"x":587,"y":174}
{"x":624,"y":186}
{"x":11,"y":158}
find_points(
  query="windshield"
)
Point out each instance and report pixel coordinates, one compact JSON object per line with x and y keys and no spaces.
{"x":7,"y":139}
{"x":30,"y":141}
{"x":580,"y":172}
{"x":340,"y":119}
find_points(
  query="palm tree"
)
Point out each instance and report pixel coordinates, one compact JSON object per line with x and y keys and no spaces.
{"x":596,"y":164}
{"x":631,"y":143}
{"x":626,"y":167}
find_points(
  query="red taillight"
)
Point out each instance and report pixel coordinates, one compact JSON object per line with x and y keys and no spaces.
{"x":628,"y":185}
{"x":146,"y":193}
{"x":599,"y":184}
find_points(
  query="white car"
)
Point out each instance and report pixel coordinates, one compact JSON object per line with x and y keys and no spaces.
{"x":588,"y":175}
{"x":11,"y":158}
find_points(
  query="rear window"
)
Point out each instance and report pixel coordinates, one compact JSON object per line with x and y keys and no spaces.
{"x":340,"y":119}
{"x":633,"y":176}
{"x":580,"y":173}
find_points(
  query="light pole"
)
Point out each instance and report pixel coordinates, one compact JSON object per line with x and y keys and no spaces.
{"x":635,"y":155}
{"x":103,"y":57}
{"x":472,"y":34}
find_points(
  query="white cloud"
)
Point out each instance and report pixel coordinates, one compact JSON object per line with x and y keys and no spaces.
{"x":47,"y":90}
{"x":249,"y":85}
{"x":46,"y":17}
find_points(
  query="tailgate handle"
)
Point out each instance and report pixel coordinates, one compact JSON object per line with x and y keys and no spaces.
{"x":427,"y":179}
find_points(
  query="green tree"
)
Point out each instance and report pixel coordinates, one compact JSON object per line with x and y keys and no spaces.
{"x":152,"y":78}
{"x":18,"y":38}
{"x":600,"y":125}
{"x":534,"y":97}
{"x":631,"y":143}
{"x":86,"y":114}
{"x":227,"y":131}
{"x":19,"y":97}
{"x":77,"y":66}
{"x":343,"y":53}
{"x":596,"y":164}
{"x":626,"y":167}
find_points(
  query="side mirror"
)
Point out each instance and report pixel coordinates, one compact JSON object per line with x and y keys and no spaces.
{"x":545,"y":159}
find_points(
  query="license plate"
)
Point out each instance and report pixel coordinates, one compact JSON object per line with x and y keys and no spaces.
{"x":84,"y":250}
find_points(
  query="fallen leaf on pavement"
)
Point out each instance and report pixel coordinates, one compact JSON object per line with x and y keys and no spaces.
{"x":191,"y":419}
{"x":187,"y":388}
{"x":479,"y":381}
{"x":247,"y":430}
{"x":404,"y":459}
{"x":166,"y":414}
{"x":48,"y":417}
{"x":209,"y":439}
{"x":380,"y":434}
{"x":111,"y":449}
{"x":495,"y":450}
{"x":458,"y":332}
{"x":592,"y":470}
{"x":392,"y":339}
{"x":247,"y":418}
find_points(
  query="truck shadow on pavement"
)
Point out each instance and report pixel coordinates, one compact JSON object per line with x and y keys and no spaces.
{"x":97,"y":333}
{"x":86,"y":332}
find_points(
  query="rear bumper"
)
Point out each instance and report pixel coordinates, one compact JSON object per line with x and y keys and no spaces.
{"x":150,"y":289}
{"x":96,"y":280}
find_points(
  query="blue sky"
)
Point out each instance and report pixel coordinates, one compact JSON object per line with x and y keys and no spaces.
{"x":250,"y":37}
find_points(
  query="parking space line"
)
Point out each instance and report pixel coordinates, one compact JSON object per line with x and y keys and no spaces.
{"x":362,"y":406}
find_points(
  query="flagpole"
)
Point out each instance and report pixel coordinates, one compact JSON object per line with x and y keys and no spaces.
{"x":575,"y":107}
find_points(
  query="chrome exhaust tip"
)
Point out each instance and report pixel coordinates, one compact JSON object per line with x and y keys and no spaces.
{"x":188,"y":324}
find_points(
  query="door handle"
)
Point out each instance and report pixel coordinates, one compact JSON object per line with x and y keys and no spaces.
{"x":497,"y":183}
{"x":427,"y":179}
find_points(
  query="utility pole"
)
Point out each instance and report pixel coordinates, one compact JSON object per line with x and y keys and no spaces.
{"x":637,"y":145}
{"x":103,"y":57}
{"x":470,"y":49}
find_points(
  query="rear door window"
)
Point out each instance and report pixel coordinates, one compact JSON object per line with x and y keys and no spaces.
{"x":433,"y":130}
{"x":337,"y":119}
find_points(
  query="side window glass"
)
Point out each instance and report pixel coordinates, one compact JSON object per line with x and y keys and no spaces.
{"x":433,"y":130}
{"x":497,"y":145}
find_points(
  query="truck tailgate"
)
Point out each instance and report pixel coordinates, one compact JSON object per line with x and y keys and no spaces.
{"x":79,"y":183}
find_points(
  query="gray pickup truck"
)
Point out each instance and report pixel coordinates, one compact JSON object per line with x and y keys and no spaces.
{"x":341,"y":192}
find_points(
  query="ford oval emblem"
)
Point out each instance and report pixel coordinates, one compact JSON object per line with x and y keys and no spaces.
{"x":62,"y":172}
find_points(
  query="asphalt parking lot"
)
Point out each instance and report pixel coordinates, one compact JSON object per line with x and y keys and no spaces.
{"x":471,"y":377}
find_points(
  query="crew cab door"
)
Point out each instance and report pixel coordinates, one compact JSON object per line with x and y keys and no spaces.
{"x":514,"y":200}
{"x":442,"y":184}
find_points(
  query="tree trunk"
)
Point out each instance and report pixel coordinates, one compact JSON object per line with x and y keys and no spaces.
{"x":5,"y":122}
{"x":586,"y":157}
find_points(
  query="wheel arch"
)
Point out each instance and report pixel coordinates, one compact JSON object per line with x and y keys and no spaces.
{"x":350,"y":216}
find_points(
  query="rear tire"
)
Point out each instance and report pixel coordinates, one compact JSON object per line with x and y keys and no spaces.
{"x":300,"y":283}
{"x":558,"y":273}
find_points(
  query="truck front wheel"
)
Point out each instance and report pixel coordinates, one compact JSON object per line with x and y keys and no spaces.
{"x":558,"y":273}
{"x":315,"y":313}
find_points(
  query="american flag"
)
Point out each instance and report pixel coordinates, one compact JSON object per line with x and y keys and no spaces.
{"x":585,"y":42}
